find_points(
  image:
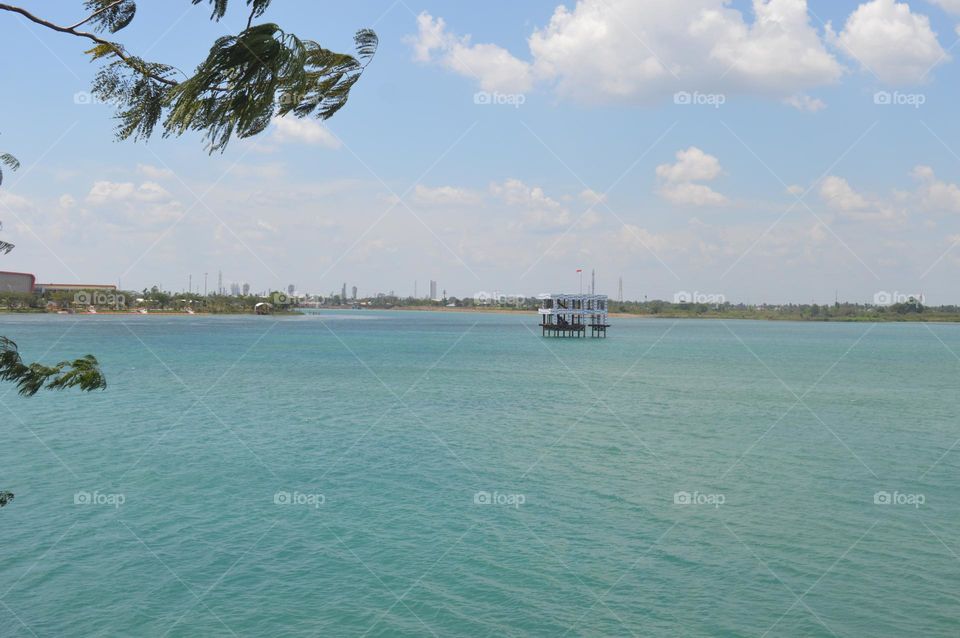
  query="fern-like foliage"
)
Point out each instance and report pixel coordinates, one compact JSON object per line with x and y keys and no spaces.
{"x":269,"y":72}
{"x":11,"y":162}
{"x":8,"y":160}
{"x":111,"y":15}
{"x":245,"y":80}
{"x":83,"y":373}
{"x":258,"y":7}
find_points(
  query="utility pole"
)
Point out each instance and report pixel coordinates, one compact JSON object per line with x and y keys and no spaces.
{"x":593,"y":281}
{"x":621,"y":289}
{"x":190,"y":284}
{"x":204,"y":284}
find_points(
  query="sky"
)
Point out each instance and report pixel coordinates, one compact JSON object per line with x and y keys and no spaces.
{"x":756,"y":151}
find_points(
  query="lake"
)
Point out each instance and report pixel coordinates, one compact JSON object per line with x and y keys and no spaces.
{"x":456,"y":474}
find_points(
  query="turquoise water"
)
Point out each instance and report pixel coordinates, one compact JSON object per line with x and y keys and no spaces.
{"x":319,"y":476}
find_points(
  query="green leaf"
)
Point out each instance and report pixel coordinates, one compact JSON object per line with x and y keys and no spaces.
{"x":11,"y":162}
{"x":30,"y":379}
{"x":113,"y":15}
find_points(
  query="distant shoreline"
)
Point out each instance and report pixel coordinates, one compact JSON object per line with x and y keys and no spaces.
{"x":744,"y":316}
{"x":912,"y":318}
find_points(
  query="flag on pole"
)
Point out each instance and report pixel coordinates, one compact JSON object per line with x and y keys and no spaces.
{"x":579,"y":269}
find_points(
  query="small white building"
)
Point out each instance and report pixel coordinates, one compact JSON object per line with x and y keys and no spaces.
{"x":564,"y":315}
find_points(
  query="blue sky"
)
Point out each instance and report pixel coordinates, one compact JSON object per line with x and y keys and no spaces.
{"x":788,"y":178}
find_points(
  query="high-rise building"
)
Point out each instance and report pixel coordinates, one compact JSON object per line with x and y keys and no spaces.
{"x":354,"y":293}
{"x":343,"y":293}
{"x":290,"y":289}
{"x":235,"y":289}
{"x":246,"y":289}
{"x":433,"y":289}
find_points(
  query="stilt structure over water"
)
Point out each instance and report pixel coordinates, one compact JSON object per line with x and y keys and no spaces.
{"x":573,"y":315}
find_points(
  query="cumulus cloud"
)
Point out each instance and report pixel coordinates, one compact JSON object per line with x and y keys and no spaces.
{"x":692,"y":165}
{"x":805,"y":103}
{"x":104,"y":192}
{"x":144,"y":204}
{"x":891,"y":41}
{"x":644,"y":50}
{"x":15,"y":203}
{"x":154,"y":172}
{"x":837,"y":194}
{"x":448,"y":195}
{"x":539,"y":211}
{"x":495,"y":68}
{"x":303,"y":131}
{"x":934,"y":194}
{"x":689,"y":194}
{"x":67,"y":202}
{"x":677,"y":181}
{"x":515,"y":192}
{"x":637,"y":239}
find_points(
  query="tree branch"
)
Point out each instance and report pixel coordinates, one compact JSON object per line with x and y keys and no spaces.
{"x":116,"y":48}
{"x":95,"y":14}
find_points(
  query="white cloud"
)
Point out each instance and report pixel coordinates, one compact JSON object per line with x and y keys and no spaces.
{"x":640,"y":239}
{"x":643,"y":50}
{"x":887,"y":39}
{"x":677,"y":180}
{"x":15,"y":203}
{"x":838,"y":195}
{"x":494,"y":67}
{"x":146,"y":204}
{"x":448,"y":195}
{"x":803,"y":102}
{"x":934,"y":194}
{"x":104,"y":192}
{"x":515,"y":192}
{"x":692,"y":165}
{"x":154,"y":172}
{"x":540,"y":211}
{"x":303,"y":131}
{"x":690,"y":194}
